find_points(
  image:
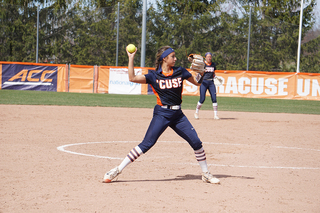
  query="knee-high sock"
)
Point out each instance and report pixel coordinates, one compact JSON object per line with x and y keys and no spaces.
{"x":215,"y":108}
{"x":201,"y":158}
{"x":198,"y":107}
{"x":131,"y":157}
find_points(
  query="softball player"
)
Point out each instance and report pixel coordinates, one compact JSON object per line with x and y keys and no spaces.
{"x":208,"y":84}
{"x":167,"y":84}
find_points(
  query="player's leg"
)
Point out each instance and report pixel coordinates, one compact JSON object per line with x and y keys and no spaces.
{"x":203,"y":90}
{"x":157,"y":126}
{"x":184,"y":128}
{"x":131,"y":157}
{"x":213,"y":95}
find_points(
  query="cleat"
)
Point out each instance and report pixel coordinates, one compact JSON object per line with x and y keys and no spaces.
{"x":216,"y":117}
{"x":112,"y":174}
{"x":208,"y":178}
{"x":196,"y":115}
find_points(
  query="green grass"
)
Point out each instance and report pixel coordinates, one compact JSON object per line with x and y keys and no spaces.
{"x":19,"y":97}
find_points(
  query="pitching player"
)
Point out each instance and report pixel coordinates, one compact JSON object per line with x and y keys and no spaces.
{"x":208,"y":84}
{"x":167,"y":84}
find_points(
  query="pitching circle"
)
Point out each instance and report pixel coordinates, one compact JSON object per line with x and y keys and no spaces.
{"x":63,"y":149}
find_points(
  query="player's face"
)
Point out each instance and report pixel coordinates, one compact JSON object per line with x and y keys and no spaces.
{"x":171,"y":59}
{"x":208,"y":58}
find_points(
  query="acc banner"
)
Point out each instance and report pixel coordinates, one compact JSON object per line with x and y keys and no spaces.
{"x":29,"y":77}
{"x":119,"y":82}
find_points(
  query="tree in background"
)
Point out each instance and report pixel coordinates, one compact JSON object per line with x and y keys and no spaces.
{"x":310,"y":51}
{"x":17,"y":33}
{"x":231,"y":54}
{"x":18,"y":24}
{"x":130,"y":30}
{"x":275,"y":31}
{"x":84,"y":32}
{"x":185,"y":25}
{"x":90,"y":35}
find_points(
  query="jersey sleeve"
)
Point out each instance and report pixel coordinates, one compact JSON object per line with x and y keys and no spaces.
{"x":214,"y":73}
{"x":149,"y":78}
{"x":186,"y":74}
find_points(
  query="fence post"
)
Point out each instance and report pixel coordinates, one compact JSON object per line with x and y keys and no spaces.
{"x":96,"y":78}
{"x":68,"y":77}
{"x":66,"y":80}
{"x":118,"y":20}
{"x":144,"y":29}
{"x":248,"y":53}
{"x":37,"y":34}
{"x":299,"y":42}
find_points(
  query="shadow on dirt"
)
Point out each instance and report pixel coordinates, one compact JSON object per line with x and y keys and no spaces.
{"x":187,"y":177}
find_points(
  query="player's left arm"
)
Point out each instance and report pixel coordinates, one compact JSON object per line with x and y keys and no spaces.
{"x":197,"y":79}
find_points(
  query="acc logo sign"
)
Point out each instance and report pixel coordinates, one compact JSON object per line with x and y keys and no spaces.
{"x":29,"y":77}
{"x":24,"y":75}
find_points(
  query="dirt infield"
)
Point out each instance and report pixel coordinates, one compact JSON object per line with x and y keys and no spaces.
{"x":53,"y":159}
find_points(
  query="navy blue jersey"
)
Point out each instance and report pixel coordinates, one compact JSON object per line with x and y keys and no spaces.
{"x":210,"y":71}
{"x":168,"y":89}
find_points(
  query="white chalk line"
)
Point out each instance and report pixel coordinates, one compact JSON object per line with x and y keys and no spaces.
{"x":62,"y":148}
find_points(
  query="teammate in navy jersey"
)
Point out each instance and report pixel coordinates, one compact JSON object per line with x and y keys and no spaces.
{"x":167,"y":84}
{"x":208,"y":84}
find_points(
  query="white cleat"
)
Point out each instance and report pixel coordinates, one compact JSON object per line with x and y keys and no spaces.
{"x":216,"y":117}
{"x":196,"y":115}
{"x":112,"y":174}
{"x":208,"y":178}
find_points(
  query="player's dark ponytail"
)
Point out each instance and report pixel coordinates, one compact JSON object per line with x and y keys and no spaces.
{"x":159,"y":53}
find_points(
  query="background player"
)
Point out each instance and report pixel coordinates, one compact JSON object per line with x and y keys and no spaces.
{"x":167,"y":84}
{"x":208,"y":84}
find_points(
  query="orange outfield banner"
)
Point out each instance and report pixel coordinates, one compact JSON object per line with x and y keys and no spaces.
{"x":81,"y":79}
{"x":250,"y":84}
{"x":62,"y":85}
{"x":0,"y":76}
{"x":97,"y":79}
{"x":307,"y":86}
{"x":103,"y":79}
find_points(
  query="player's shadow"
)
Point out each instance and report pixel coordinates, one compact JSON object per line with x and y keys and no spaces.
{"x":219,"y":118}
{"x":186,"y":177}
{"x":231,"y":176}
{"x":228,"y":118}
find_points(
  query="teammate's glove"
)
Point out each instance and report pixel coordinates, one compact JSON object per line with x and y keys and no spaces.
{"x":197,"y":63}
{"x":217,"y":81}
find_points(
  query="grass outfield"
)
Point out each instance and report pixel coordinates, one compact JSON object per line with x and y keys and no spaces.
{"x":20,"y":97}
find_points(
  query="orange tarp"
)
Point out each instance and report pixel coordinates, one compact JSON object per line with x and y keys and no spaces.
{"x":81,"y":79}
